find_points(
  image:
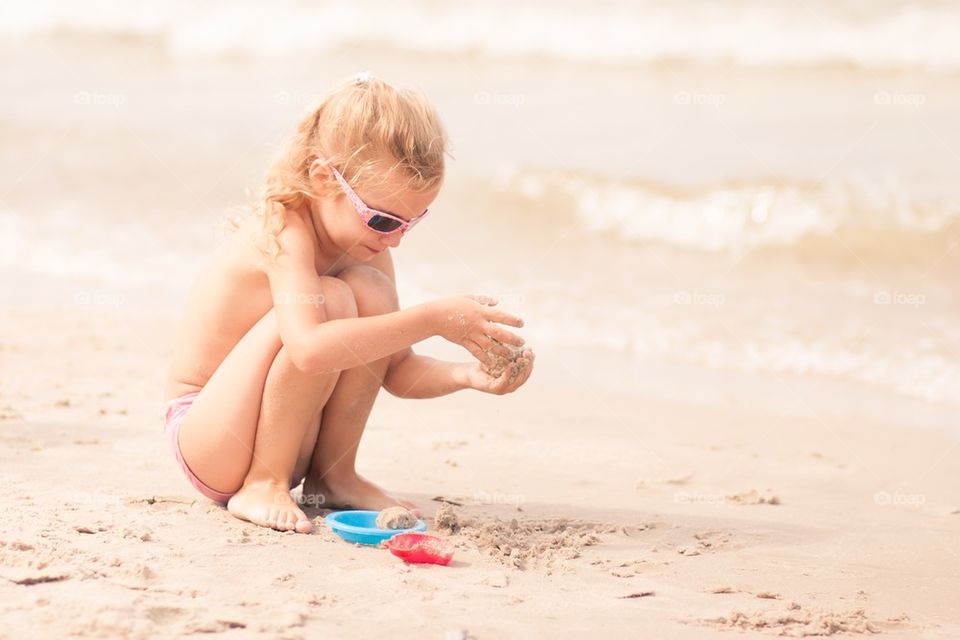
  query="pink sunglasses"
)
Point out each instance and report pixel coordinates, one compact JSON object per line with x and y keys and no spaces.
{"x":379,"y":221}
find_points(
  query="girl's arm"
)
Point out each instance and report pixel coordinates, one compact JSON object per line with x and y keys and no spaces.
{"x":318,"y":344}
{"x":413,"y":376}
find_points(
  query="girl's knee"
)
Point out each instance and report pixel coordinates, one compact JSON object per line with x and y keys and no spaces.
{"x":374,"y":292}
{"x":338,"y":299}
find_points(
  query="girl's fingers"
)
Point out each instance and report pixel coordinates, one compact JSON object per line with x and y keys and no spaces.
{"x":516,"y":377}
{"x":477,"y":352}
{"x":471,"y":346}
{"x":482,"y":341}
{"x":525,"y":374}
{"x":501,"y":384}
{"x":501,"y":316}
{"x":502,"y":335}
{"x":489,"y":344}
{"x":524,"y":366}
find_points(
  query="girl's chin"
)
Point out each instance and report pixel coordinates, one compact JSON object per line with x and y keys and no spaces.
{"x":361,"y":253}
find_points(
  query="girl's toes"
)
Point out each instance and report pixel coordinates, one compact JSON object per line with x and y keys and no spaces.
{"x":303,"y":525}
{"x":271,"y":520}
{"x":295,"y":519}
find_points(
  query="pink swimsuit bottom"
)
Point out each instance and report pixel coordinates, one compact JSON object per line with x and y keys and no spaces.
{"x":174,"y":412}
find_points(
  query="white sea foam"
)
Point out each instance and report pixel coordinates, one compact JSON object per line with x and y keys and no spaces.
{"x":58,"y":244}
{"x":735,"y":218}
{"x":879,"y":34}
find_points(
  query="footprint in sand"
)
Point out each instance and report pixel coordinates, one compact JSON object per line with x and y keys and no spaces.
{"x":706,"y":542}
{"x":795,"y":620}
{"x":164,"y":615}
{"x":213,"y":626}
{"x":142,"y":572}
{"x":628,"y":569}
{"x":753,"y":497}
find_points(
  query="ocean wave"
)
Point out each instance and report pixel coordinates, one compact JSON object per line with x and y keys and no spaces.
{"x":66,"y":244}
{"x":878,"y":217}
{"x":892,"y":34}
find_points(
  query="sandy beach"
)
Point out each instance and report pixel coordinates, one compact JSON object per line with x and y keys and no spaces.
{"x":734,"y":241}
{"x":638,"y":518}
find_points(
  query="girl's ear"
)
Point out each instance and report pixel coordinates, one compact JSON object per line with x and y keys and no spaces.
{"x":320,"y":169}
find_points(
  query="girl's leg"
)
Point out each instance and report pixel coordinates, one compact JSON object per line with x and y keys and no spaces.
{"x":243,"y":420}
{"x":332,"y":479}
{"x":292,"y":401}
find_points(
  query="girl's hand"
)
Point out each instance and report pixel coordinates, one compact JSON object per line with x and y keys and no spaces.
{"x":471,"y":322}
{"x":509,"y":381}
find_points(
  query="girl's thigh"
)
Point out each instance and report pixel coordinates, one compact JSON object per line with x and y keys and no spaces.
{"x":218,"y":432}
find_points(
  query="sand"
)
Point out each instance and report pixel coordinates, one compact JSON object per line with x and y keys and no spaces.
{"x":752,"y":497}
{"x":519,"y":543}
{"x":395,"y":518}
{"x":794,"y":621}
{"x":722,"y":439}
{"x":559,"y":529}
{"x":500,"y":362}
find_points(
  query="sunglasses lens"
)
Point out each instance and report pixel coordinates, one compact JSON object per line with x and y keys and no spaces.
{"x":383,"y":224}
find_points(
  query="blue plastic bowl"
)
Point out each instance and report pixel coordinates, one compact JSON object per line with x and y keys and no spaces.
{"x":360,"y":527}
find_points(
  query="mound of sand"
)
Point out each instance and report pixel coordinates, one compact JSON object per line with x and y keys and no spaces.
{"x":395,"y":518}
{"x":500,"y":363}
{"x":516,"y":543}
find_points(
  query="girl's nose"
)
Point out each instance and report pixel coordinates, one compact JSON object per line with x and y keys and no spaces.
{"x":392,"y":239}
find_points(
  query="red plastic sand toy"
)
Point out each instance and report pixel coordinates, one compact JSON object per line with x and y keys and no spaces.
{"x":420,"y":548}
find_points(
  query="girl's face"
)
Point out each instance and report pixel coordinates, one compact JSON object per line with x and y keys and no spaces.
{"x":351,"y":235}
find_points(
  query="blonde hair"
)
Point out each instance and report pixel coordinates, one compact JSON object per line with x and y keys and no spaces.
{"x":368,"y":130}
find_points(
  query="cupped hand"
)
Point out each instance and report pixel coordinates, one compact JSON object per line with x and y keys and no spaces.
{"x":512,"y":378}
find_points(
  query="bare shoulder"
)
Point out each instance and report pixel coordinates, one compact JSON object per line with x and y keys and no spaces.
{"x":294,"y":242}
{"x":295,"y":237}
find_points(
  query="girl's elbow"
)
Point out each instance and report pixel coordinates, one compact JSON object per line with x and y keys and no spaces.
{"x":309,"y":361}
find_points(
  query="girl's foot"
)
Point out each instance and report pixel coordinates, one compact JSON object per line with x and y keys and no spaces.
{"x":352,"y":491}
{"x":268,"y":504}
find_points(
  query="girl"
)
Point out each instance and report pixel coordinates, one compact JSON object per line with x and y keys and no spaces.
{"x":294,"y":326}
